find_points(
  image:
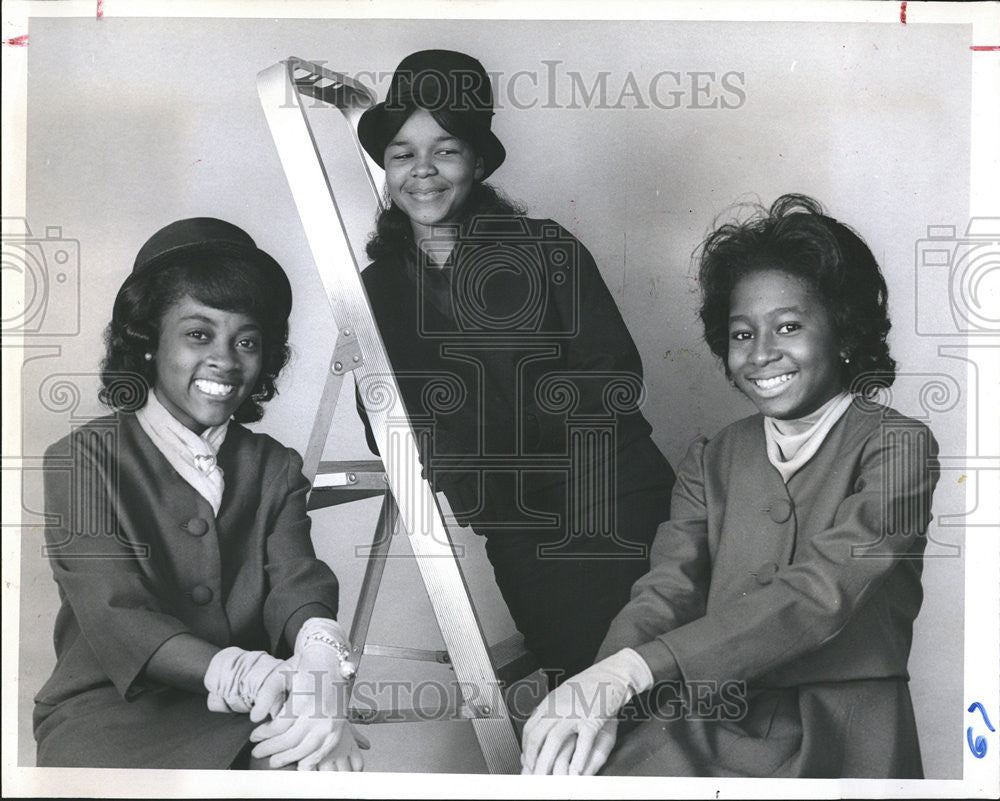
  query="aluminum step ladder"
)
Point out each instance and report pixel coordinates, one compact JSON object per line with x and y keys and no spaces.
{"x":331,"y":212}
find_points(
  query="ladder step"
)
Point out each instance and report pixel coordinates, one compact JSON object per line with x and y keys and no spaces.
{"x":417,"y":654}
{"x":354,"y":475}
{"x":449,"y":709}
{"x":346,"y":481}
{"x":510,"y":658}
{"x":421,"y":714}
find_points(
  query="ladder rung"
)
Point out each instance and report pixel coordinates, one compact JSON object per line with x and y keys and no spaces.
{"x":512,"y":660}
{"x":322,"y":498}
{"x":397,"y":652}
{"x":350,"y":475}
{"x":346,"y":481}
{"x":421,"y":714}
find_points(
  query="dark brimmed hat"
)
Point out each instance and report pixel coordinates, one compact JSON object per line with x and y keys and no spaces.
{"x":453,"y":87}
{"x":208,"y":235}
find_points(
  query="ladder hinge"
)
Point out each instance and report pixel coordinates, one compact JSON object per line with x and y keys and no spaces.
{"x":347,"y":353}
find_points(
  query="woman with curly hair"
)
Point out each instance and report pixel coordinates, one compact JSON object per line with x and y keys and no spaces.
{"x":773,"y":629}
{"x":193,"y":604}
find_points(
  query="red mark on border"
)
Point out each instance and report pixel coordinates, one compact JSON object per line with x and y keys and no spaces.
{"x":100,"y":9}
{"x":902,"y":12}
{"x":17,"y":41}
{"x":985,"y":48}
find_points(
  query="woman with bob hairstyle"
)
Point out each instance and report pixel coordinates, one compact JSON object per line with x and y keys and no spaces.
{"x":195,"y":618}
{"x":772,"y":632}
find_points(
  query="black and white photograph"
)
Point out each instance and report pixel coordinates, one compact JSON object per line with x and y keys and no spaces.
{"x":481,"y":399}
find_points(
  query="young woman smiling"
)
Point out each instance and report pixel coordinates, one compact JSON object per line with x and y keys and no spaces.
{"x":193,"y":605}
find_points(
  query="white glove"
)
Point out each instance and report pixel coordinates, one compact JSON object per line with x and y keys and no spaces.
{"x":585,"y":708}
{"x":235,"y":677}
{"x":311,"y":729}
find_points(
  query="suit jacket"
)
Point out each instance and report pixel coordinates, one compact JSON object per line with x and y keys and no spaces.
{"x":139,"y":556}
{"x":781,"y":586}
{"x":499,"y":355}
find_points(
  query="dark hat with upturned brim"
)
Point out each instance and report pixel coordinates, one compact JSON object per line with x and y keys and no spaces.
{"x":453,"y":87}
{"x":198,"y":236}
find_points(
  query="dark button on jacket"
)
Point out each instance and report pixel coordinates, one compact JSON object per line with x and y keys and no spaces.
{"x":201,"y":594}
{"x":765,"y":573}
{"x":780,"y":510}
{"x":196,"y":526}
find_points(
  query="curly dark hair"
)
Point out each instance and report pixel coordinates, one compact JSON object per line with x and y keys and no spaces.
{"x":796,"y":237}
{"x":393,"y":235}
{"x":215,"y":277}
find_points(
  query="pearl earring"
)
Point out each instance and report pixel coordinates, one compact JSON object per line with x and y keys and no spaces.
{"x":847,"y":360}
{"x":148,"y":357}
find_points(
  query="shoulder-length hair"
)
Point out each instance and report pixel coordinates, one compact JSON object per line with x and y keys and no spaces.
{"x":796,"y":237}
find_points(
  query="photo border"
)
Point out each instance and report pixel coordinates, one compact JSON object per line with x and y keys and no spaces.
{"x":982,"y":566}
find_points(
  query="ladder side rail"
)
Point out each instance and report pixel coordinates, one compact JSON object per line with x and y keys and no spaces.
{"x":374,"y":569}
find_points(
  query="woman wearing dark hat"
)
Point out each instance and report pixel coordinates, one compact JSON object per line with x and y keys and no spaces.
{"x":514,"y":363}
{"x":191,"y":595}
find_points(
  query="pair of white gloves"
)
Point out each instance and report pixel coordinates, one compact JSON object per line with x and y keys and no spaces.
{"x":575,"y":727}
{"x":305,"y":696}
{"x":571,"y":732}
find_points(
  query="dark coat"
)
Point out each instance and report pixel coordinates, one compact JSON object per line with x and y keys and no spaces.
{"x":805,"y":595}
{"x":520,"y":377}
{"x":139,"y":556}
{"x":500,"y":353}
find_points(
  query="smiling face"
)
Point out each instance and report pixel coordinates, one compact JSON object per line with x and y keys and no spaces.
{"x":429,"y":172}
{"x":207,"y":362}
{"x":784,"y":353}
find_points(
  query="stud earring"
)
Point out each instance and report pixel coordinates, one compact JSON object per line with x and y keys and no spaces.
{"x":847,"y":360}
{"x":148,"y":357}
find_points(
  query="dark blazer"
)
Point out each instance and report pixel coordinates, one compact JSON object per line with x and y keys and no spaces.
{"x":500,"y":354}
{"x":139,"y":556}
{"x":524,"y":386}
{"x":786,"y":588}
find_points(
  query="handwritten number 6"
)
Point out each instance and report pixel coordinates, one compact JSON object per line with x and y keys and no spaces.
{"x":978,"y":746}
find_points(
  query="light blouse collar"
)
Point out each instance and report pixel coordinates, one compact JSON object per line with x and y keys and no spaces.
{"x":191,"y":455}
{"x":792,"y":443}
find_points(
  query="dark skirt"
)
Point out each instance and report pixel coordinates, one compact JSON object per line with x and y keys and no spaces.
{"x":563,"y":591}
{"x":166,"y":729}
{"x":849,"y":729}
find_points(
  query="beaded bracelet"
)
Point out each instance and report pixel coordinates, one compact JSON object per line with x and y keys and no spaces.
{"x":347,"y":668}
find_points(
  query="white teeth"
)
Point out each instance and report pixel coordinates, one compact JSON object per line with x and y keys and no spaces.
{"x":770,"y":383}
{"x":213,"y":387}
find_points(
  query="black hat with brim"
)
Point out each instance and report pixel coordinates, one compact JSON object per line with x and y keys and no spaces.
{"x":198,"y":236}
{"x":453,"y":87}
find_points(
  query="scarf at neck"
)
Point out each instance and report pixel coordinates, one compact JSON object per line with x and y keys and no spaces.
{"x":792,"y":443}
{"x":192,"y":456}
